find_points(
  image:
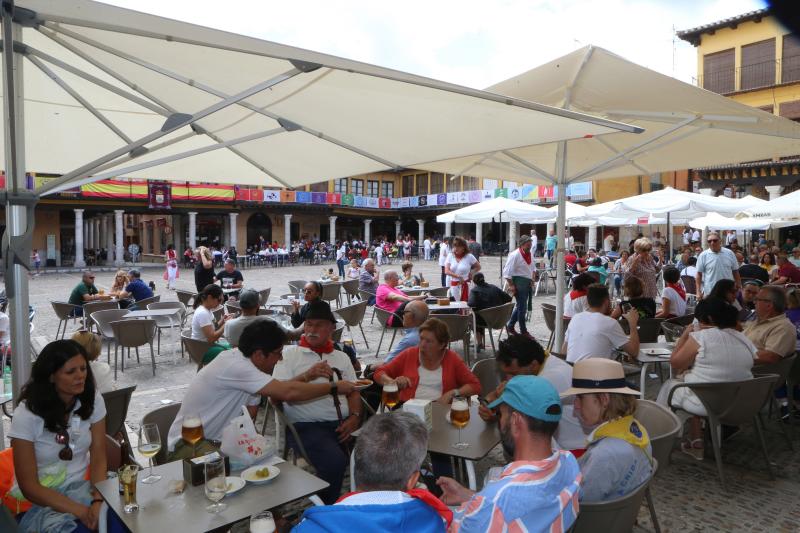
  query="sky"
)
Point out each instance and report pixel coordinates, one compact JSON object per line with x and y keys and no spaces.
{"x":470,"y":42}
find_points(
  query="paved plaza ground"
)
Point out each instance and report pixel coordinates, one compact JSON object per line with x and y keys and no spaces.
{"x":687,"y":493}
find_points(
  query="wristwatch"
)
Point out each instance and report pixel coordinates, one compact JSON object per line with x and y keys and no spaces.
{"x":334,"y":388}
{"x":355,"y":414}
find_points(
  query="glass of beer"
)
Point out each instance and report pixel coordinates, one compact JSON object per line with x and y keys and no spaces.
{"x":127,"y":480}
{"x":149,"y":446}
{"x":391,"y":395}
{"x":101,"y":292}
{"x":459,"y":417}
{"x":262,"y":522}
{"x":192,"y":431}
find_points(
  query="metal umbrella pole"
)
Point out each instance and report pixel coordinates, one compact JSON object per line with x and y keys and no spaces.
{"x":561,"y":171}
{"x":500,"y":218}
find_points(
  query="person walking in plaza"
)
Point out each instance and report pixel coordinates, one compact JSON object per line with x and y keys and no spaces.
{"x":714,"y":264}
{"x":171,"y":272}
{"x":460,"y":267}
{"x":518,"y":273}
{"x":550,"y":245}
{"x":642,"y":265}
{"x":204,"y":268}
{"x":341,"y":258}
{"x":444,"y":251}
{"x":426,"y":247}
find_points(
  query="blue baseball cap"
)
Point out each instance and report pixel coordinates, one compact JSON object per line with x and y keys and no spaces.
{"x":532,"y":396}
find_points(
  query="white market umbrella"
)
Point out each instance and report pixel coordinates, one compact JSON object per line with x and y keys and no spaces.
{"x":498,"y":209}
{"x":786,"y":207}
{"x":93,"y":91}
{"x":715,"y":221}
{"x":669,"y":201}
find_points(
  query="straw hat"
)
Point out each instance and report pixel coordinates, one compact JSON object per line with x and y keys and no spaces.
{"x":597,"y":374}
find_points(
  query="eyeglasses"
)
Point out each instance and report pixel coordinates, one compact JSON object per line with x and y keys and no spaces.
{"x":62,"y":438}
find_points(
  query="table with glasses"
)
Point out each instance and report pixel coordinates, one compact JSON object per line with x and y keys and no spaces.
{"x":161,"y":510}
{"x":646,"y":358}
{"x":433,"y":307}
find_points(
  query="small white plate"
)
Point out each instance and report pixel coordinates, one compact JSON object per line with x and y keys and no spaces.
{"x":250,"y":474}
{"x":658,"y":352}
{"x":234,"y":484}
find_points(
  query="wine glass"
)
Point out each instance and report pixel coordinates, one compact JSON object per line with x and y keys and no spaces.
{"x":459,"y":417}
{"x":149,"y":446}
{"x":262,"y":522}
{"x":216,"y":484}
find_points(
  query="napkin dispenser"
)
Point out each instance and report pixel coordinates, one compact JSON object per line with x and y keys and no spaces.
{"x":421,"y":408}
{"x":193,"y":468}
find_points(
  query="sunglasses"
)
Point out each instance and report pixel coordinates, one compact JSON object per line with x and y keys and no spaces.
{"x":62,"y":438}
{"x":712,"y":240}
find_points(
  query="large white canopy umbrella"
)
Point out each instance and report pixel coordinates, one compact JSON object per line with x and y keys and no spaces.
{"x":498,"y":209}
{"x":108,"y":92}
{"x":787,"y":207}
{"x":686,"y":127}
{"x":715,"y":221}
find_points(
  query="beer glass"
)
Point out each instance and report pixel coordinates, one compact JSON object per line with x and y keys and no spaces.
{"x":192,"y":431}
{"x":149,"y":446}
{"x":216,"y":484}
{"x":262,"y":522}
{"x":391,"y":395}
{"x":459,"y":417}
{"x":127,"y":480}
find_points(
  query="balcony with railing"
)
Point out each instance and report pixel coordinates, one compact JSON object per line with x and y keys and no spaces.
{"x":749,"y":77}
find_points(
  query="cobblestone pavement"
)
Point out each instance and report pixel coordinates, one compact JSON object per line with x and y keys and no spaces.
{"x":687,"y":493}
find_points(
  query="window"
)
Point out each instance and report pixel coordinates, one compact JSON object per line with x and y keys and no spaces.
{"x":470,"y":183}
{"x":387,"y":189}
{"x":357,"y":187}
{"x":790,"y":110}
{"x":408,"y":185}
{"x":790,"y":59}
{"x":718,"y":72}
{"x":372,"y":188}
{"x":655,"y":182}
{"x":340,"y":186}
{"x":319,"y":187}
{"x":758,"y":65}
{"x":422,"y":184}
{"x":437,"y":182}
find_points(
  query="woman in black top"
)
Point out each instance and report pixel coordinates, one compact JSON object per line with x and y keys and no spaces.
{"x":483,"y":296}
{"x":204,"y":269}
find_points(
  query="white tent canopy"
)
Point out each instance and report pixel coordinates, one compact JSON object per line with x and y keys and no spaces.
{"x":573,"y":212}
{"x":498,"y":210}
{"x":715,"y":221}
{"x":787,"y":207}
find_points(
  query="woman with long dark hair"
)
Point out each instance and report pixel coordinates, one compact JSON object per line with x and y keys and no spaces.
{"x":203,"y":329}
{"x":58,"y":431}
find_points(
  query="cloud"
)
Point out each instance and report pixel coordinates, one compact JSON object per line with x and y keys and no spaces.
{"x":471,"y":42}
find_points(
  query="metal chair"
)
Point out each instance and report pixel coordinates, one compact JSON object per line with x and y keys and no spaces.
{"x":486,"y":372}
{"x":263,"y":296}
{"x":195,"y":348}
{"x":186,"y":298}
{"x":438,"y":292}
{"x":364,"y":296}
{"x":331,"y":292}
{"x":103,"y":320}
{"x":549,"y":314}
{"x":690,"y":284}
{"x":781,"y":369}
{"x":383,"y":316}
{"x":296,"y":286}
{"x":144,"y":302}
{"x":117,"y":403}
{"x":93,"y":307}
{"x":459,"y":327}
{"x":163,"y":417}
{"x":732,"y":403}
{"x":132,"y":334}
{"x":169,"y":322}
{"x":353,"y":315}
{"x":496,"y":318}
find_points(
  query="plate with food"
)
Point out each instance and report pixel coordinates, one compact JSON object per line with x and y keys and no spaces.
{"x":362,"y":384}
{"x":260,"y":474}
{"x":233,"y":484}
{"x":657,"y":352}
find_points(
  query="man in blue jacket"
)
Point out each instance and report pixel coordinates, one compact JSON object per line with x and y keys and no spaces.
{"x":388,"y":455}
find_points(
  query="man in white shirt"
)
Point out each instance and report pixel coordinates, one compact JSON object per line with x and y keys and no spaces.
{"x":593,"y":333}
{"x":714,"y":264}
{"x":444,"y":251}
{"x":534,"y":241}
{"x":241,"y":377}
{"x":426,"y":246}
{"x":324,"y":424}
{"x":518,"y":273}
{"x":695,"y":236}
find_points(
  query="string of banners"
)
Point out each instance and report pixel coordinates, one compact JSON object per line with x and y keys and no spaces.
{"x":535,"y":193}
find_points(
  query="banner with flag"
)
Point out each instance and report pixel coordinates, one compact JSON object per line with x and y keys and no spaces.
{"x":333,"y":198}
{"x":319,"y":197}
{"x":422,"y":201}
{"x":372,"y":202}
{"x":159,"y":194}
{"x":384,"y":203}
{"x":302,"y":197}
{"x":271,"y":195}
{"x":413,"y":201}
{"x":287,"y":197}
{"x":348,"y":199}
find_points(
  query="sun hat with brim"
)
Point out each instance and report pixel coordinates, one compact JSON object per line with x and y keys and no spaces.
{"x":532,"y":396}
{"x":597,"y":374}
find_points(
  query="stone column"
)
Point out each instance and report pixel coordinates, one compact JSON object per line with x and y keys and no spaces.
{"x":512,"y":235}
{"x":448,"y":229}
{"x":704,"y":232}
{"x":591,"y":241}
{"x":420,"y":234}
{"x":144,"y":240}
{"x":119,"y":254}
{"x":156,"y":241}
{"x":192,"y":230}
{"x":396,"y":228}
{"x":86,"y":236}
{"x":332,"y":231}
{"x":367,"y":231}
{"x":109,"y":239}
{"x":233,"y":241}
{"x":177,"y":235}
{"x":79,"y":261}
{"x":774,"y":191}
{"x":287,"y":232}
{"x":98,"y":242}
{"x":479,"y":232}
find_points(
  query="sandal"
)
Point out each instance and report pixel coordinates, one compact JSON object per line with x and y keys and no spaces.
{"x":693,"y":448}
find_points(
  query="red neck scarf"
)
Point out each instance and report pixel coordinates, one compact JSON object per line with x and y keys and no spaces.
{"x":328,"y":348}
{"x":424,"y":495}
{"x":525,"y":255}
{"x":574,"y":295}
{"x":679,"y":289}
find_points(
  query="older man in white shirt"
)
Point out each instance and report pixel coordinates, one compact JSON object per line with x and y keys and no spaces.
{"x":518,"y":272}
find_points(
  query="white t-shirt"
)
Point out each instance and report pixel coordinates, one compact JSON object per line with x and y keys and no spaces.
{"x":686,"y":237}
{"x":696,"y":236}
{"x":444,"y":251}
{"x":573,"y":307}
{"x":689,"y":271}
{"x":218,"y":392}
{"x":426,"y":244}
{"x":461,"y":268}
{"x":716,"y":266}
{"x":340,"y":253}
{"x":430,"y":384}
{"x":202,"y":317}
{"x":104,"y":381}
{"x":30,"y":427}
{"x":591,"y":334}
{"x":296,"y":360}
{"x":569,"y":435}
{"x":677,"y":305}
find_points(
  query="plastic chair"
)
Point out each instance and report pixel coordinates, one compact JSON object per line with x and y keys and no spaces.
{"x":103,"y":320}
{"x":64,"y":311}
{"x":793,"y":380}
{"x":685,"y":320}
{"x":132,"y":334}
{"x":438,"y":292}
{"x":781,"y":369}
{"x":613,"y":515}
{"x":163,"y":417}
{"x":672,"y":332}
{"x":496,"y":318}
{"x":117,"y":403}
{"x":732,"y":403}
{"x":186,"y":298}
{"x":365,"y":296}
{"x":648,"y":328}
{"x":168,"y":322}
{"x":353,"y":315}
{"x":144,"y":302}
{"x":336,"y":336}
{"x":459,"y":327}
{"x":383,"y":316}
{"x":486,"y":372}
{"x":331,"y":292}
{"x":549,"y":313}
{"x":195,"y":348}
{"x":263,"y":296}
{"x":296,"y":286}
{"x":350,"y":288}
{"x":92,"y":307}
{"x":690,"y":284}
{"x":233,"y":307}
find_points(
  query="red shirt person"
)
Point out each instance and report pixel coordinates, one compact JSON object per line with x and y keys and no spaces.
{"x":786,"y":271}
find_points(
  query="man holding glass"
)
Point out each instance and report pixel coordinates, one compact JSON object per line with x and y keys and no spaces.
{"x":540,"y":488}
{"x":241,"y":377}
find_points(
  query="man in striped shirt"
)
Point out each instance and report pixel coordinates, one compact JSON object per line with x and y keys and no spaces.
{"x":539,"y":490}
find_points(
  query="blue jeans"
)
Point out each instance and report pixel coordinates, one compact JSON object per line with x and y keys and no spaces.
{"x":325,"y":453}
{"x":521,"y":308}
{"x":341,"y":263}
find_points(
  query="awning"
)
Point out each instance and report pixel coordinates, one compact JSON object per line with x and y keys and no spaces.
{"x":787,"y":207}
{"x":498,"y":209}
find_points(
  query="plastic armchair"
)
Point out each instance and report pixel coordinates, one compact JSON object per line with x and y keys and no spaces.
{"x":195,"y":348}
{"x":383,"y":316}
{"x":353,"y":315}
{"x":350,"y":288}
{"x":496,"y":318}
{"x":117,"y":403}
{"x":168,"y":322}
{"x":90,"y":308}
{"x":64,"y":311}
{"x":132,"y":334}
{"x":486,"y":372}
{"x":163,"y":417}
{"x":103,"y":320}
{"x":459,"y":327}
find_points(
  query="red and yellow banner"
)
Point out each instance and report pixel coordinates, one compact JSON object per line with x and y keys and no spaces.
{"x":115,"y":189}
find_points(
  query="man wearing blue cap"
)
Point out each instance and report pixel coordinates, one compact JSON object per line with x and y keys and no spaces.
{"x":539,"y":490}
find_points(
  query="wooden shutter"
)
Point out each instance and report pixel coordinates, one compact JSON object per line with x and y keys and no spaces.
{"x":718,"y":72}
{"x":758,"y":65}
{"x":790,"y":110}
{"x":790,"y":59}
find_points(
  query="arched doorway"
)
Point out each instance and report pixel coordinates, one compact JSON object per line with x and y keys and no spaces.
{"x":258,"y":225}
